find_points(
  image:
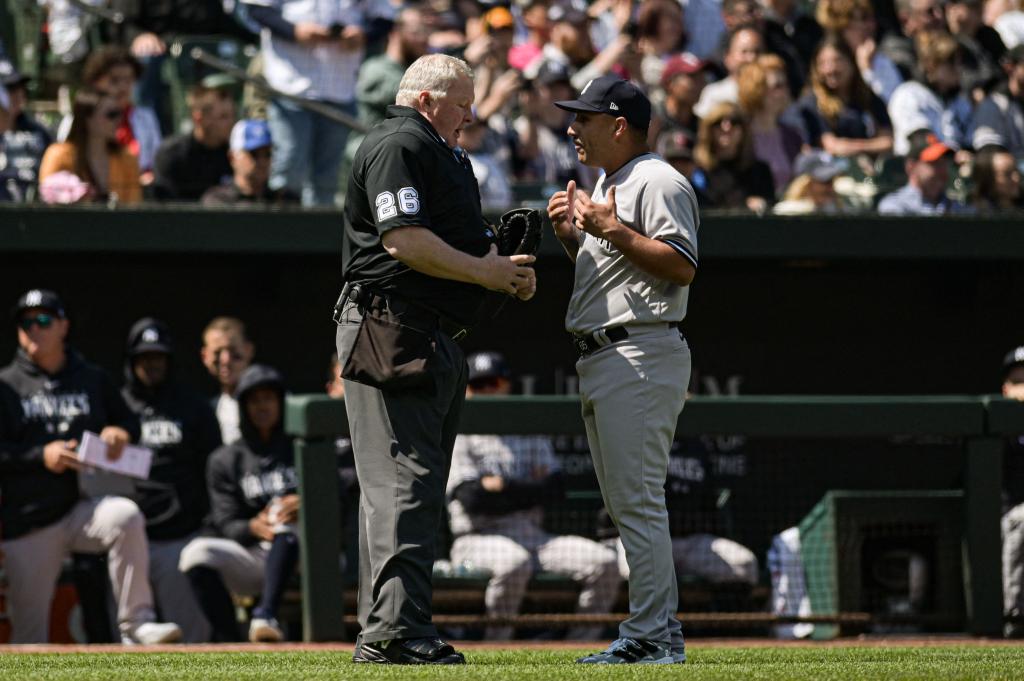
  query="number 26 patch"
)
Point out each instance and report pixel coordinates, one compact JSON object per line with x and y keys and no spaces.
{"x":408,"y":202}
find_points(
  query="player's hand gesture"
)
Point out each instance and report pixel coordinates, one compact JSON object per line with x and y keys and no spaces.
{"x":560,"y":212}
{"x":598,"y":219}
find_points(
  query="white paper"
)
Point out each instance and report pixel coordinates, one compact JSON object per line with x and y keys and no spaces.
{"x":134,"y":461}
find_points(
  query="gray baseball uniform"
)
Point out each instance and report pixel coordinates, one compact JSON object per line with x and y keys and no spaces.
{"x":633,"y":390}
{"x":513,"y":545}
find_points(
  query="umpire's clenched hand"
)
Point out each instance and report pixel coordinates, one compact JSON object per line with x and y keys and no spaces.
{"x":508,"y":273}
{"x":598,"y":219}
{"x":59,"y":456}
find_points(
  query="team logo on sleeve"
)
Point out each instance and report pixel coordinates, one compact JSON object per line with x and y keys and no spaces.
{"x":408,"y":201}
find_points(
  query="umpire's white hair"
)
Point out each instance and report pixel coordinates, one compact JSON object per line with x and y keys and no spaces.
{"x":433,"y":73}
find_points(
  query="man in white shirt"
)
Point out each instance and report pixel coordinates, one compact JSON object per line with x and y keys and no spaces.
{"x":226,"y":353}
{"x":312,"y":49}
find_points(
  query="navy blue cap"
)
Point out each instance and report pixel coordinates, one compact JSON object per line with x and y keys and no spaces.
{"x":613,"y":96}
{"x":42,"y":298}
{"x":149,"y":335}
{"x":487,"y":365}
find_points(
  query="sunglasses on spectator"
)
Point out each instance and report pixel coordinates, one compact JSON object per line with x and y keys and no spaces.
{"x":112,"y":115}
{"x":44,"y":321}
{"x":260,"y":154}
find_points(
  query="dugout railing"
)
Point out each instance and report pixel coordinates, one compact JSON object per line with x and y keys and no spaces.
{"x":980,"y":423}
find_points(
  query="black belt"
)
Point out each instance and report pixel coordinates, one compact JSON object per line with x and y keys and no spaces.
{"x":365,"y":297}
{"x":587,"y":343}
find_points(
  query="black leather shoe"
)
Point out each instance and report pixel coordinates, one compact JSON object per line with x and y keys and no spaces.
{"x":408,"y":651}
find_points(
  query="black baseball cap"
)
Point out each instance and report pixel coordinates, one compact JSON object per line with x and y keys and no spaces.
{"x":1013,"y":359}
{"x":613,"y":96}
{"x":42,"y":298}
{"x":487,"y":365}
{"x":149,"y":335}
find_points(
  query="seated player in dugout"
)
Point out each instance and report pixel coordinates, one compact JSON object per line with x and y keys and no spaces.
{"x":1013,"y":504}
{"x":496,"y":492}
{"x":698,"y":479}
{"x":252,"y":485}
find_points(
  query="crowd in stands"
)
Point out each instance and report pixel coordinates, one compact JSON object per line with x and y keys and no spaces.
{"x":904,"y":106}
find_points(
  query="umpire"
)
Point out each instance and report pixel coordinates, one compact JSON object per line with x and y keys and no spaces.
{"x":420,"y":260}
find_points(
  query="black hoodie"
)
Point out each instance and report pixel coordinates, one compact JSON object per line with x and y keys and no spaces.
{"x":182,"y":430}
{"x":36,"y":409}
{"x":244,"y":476}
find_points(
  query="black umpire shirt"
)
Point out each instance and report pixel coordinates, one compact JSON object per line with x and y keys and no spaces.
{"x":405,"y":174}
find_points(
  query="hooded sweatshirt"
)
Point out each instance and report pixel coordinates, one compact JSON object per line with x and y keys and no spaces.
{"x":244,"y":476}
{"x":37,"y":408}
{"x":181,"y":429}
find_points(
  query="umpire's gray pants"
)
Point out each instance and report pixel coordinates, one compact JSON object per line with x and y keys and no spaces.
{"x":632,"y":393}
{"x":111,"y":525}
{"x":402,"y":443}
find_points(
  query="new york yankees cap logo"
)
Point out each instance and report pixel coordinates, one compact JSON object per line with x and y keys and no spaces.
{"x":41,"y":298}
{"x":613,"y":96}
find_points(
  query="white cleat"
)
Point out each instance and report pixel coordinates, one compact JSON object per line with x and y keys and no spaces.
{"x":265,"y":630}
{"x":152,"y":633}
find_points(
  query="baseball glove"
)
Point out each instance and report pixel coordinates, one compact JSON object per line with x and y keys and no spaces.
{"x":519,"y":232}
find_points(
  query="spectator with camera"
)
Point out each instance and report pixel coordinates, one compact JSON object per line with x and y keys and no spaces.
{"x":253,"y":511}
{"x":179,"y":427}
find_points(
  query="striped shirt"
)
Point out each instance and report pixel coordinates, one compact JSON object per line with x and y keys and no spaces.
{"x":654,"y":199}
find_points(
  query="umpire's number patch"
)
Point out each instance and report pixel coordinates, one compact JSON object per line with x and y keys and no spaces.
{"x":408,"y":203}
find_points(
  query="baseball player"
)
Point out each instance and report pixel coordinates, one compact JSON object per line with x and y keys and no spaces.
{"x":634,"y":244}
{"x":1013,"y":503}
{"x":180,"y":428}
{"x":49,"y":396}
{"x":253,"y":509}
{"x":496,"y":491}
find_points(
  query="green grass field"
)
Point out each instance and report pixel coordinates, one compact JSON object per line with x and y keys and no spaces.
{"x":816,"y":664}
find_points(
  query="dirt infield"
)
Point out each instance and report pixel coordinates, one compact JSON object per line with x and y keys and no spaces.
{"x":851,"y":642}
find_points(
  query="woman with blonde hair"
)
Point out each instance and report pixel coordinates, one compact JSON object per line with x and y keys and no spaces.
{"x":91,"y":165}
{"x":729,"y":172}
{"x":839,"y":113}
{"x":764,"y":97}
{"x":854,"y":20}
